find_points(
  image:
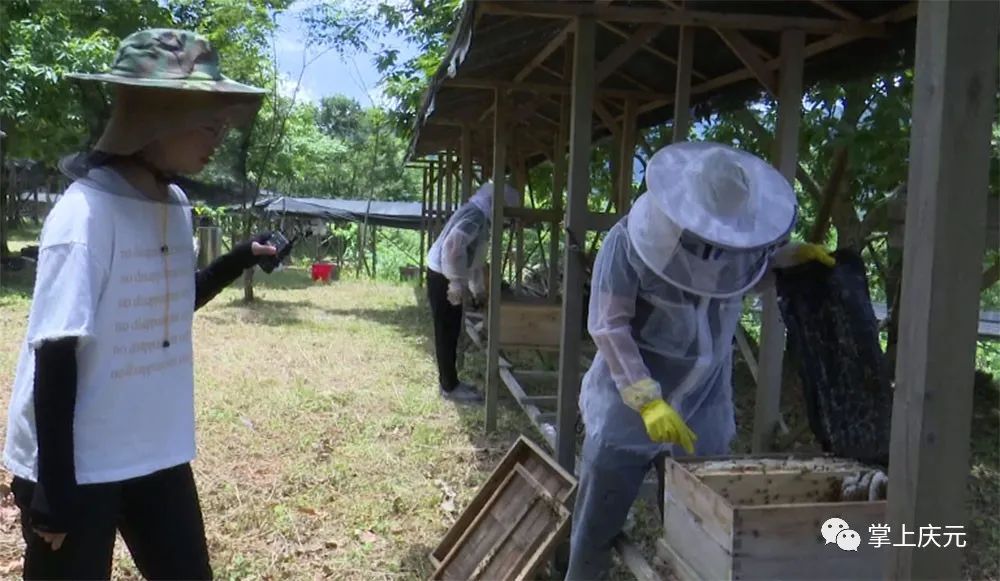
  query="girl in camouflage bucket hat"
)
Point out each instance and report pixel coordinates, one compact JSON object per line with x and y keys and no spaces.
{"x":101,"y":426}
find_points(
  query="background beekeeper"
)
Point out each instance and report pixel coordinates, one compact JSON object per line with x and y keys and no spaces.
{"x":101,"y":428}
{"x":665,"y":303}
{"x":454,"y":263}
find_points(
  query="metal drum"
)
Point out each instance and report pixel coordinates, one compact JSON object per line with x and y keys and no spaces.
{"x":209,"y":244}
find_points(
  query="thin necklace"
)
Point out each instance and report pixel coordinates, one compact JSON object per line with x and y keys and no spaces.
{"x":165,"y":252}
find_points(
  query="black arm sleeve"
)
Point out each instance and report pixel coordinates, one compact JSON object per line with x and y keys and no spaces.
{"x":54,"y":504}
{"x":209,"y":281}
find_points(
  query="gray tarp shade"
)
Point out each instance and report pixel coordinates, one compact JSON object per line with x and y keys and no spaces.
{"x":391,"y":214}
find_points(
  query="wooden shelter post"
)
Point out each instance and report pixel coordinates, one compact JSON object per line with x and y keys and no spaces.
{"x":558,"y":186}
{"x":466,"y":160}
{"x":576,"y":229}
{"x":424,"y":242}
{"x":449,"y":188}
{"x":767,"y":406}
{"x":496,"y":259}
{"x":682,"y":98}
{"x":954,"y":98}
{"x":626,"y":164}
{"x":520,"y":183}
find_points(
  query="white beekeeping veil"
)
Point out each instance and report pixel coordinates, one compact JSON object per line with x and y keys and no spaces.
{"x":710,"y":218}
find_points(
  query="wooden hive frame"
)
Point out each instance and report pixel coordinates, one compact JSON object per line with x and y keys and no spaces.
{"x":525,"y":473}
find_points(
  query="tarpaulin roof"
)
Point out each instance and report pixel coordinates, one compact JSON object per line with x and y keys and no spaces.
{"x":391,"y":214}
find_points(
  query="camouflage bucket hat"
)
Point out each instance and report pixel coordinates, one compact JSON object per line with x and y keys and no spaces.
{"x":169,"y":59}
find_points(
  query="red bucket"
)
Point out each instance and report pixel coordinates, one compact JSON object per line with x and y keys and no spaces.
{"x":322,"y":271}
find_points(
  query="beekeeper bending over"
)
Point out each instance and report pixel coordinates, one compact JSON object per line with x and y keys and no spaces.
{"x":455,"y":262}
{"x":665,"y":301}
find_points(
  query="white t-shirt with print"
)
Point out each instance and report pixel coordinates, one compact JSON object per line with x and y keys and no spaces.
{"x":103,"y":277}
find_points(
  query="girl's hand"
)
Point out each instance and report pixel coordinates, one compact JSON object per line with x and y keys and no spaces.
{"x":259,"y":249}
{"x":55,"y":540}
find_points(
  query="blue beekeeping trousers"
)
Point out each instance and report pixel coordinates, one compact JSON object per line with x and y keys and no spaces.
{"x":610,"y":479}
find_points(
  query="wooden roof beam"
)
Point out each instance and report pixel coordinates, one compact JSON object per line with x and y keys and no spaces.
{"x":650,"y":49}
{"x":818,"y":47}
{"x":622,"y":52}
{"x":543,"y":88}
{"x":834,"y":8}
{"x":772,"y":22}
{"x":745,"y":51}
{"x":546,"y":52}
{"x":738,"y":37}
{"x":607,"y":118}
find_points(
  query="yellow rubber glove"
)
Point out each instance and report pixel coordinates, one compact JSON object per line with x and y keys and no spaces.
{"x":808,"y":252}
{"x":665,"y":425}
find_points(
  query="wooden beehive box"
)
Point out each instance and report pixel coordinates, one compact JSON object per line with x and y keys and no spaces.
{"x":760,"y":518}
{"x":513,"y":523}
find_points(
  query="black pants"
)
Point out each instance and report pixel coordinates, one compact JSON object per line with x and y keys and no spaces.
{"x":158,"y":516}
{"x":447,"y":329}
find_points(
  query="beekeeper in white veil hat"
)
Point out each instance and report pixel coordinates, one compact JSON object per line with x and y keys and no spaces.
{"x":455,"y":264}
{"x":666,"y":298}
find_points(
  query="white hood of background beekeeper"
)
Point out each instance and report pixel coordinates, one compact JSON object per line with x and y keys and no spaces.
{"x":460,"y":250}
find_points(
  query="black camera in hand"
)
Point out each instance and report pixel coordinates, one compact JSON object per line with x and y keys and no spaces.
{"x":282,"y":245}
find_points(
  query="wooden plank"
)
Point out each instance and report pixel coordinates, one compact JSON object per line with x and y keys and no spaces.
{"x":650,"y":49}
{"x":680,"y":568}
{"x":693,"y":553}
{"x":553,"y":45}
{"x":424,"y":241}
{"x":901,"y":14}
{"x":643,"y":35}
{"x":682,"y":103}
{"x":749,"y":55}
{"x":573,"y":257}
{"x":534,"y":414}
{"x":539,"y":400}
{"x":466,"y":159}
{"x":784,"y":541}
{"x":709,"y":510}
{"x":532,"y":215}
{"x":473,"y":527}
{"x":530,"y":324}
{"x":633,"y":559}
{"x":526,"y":501}
{"x":536,"y":375}
{"x":770,"y":22}
{"x":559,"y":166}
{"x":782,"y":487}
{"x":767,"y":408}
{"x":496,"y":260}
{"x":542,"y":88}
{"x":548,"y":546}
{"x":954,"y":98}
{"x":607,"y":118}
{"x":449,"y":186}
{"x":602,"y":221}
{"x":835,"y":8}
{"x":748,"y":356}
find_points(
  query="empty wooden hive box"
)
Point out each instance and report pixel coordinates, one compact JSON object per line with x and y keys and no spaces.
{"x":763,"y":518}
{"x":513,"y":523}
